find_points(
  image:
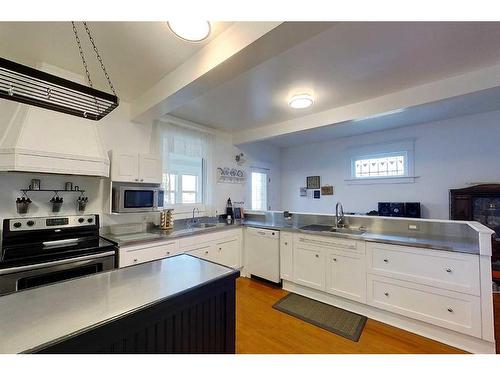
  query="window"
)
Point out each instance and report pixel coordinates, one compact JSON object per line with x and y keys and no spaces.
{"x":186,"y":156}
{"x":259,"y":186}
{"x":381,"y":165}
{"x":183,"y":182}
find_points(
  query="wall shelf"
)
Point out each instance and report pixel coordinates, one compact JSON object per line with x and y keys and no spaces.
{"x":52,"y":190}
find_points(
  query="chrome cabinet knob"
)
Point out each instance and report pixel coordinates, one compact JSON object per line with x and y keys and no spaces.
{"x":450,"y":309}
{"x":386,"y":260}
{"x":448,"y":270}
{"x":386,"y":294}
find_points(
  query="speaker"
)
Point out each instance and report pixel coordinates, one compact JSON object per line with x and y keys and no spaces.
{"x":412,"y":209}
{"x":397,"y":209}
{"x":384,"y":209}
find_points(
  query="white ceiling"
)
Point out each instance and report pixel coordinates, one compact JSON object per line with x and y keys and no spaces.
{"x":347,"y":63}
{"x":136,"y":54}
{"x":481,"y":101}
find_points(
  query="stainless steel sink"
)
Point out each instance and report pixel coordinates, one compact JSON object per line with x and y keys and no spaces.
{"x":332,"y":229}
{"x":204,"y":225}
{"x":352,"y":231}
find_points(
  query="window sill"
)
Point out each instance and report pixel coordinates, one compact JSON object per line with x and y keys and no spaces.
{"x":381,"y":180}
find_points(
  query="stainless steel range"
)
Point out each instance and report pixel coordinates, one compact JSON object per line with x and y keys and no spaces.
{"x":43,"y":250}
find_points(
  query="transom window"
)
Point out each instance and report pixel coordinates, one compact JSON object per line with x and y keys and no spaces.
{"x":381,"y":165}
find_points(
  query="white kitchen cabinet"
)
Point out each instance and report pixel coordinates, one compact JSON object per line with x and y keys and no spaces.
{"x":309,"y":266}
{"x":150,"y":169}
{"x":227,"y":252}
{"x":346,"y":275}
{"x":286,"y":256}
{"x":132,"y":255}
{"x":134,"y":167}
{"x":203,"y":251}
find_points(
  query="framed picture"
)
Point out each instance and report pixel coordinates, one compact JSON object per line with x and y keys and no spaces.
{"x":317,"y":194}
{"x":327,"y":190}
{"x":303,"y":192}
{"x":313,"y":182}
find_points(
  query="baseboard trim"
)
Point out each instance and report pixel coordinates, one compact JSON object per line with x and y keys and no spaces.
{"x":446,"y":336}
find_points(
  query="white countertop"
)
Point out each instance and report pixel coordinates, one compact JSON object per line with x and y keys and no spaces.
{"x":36,"y":317}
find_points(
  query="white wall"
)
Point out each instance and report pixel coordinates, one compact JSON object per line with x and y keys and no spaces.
{"x":448,"y":154}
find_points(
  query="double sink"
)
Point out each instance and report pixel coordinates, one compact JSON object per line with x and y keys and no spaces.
{"x":333,"y":230}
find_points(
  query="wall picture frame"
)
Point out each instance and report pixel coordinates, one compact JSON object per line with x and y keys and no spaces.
{"x":313,"y":182}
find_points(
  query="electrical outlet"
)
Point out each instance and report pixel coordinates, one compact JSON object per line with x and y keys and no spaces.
{"x":413,"y":227}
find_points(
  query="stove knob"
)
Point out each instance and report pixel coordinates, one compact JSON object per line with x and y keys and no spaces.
{"x":81,"y":220}
{"x":30,"y":223}
{"x":17,"y":224}
{"x":90,"y":220}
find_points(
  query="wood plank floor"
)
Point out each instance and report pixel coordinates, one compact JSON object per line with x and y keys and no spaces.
{"x":260,"y":329}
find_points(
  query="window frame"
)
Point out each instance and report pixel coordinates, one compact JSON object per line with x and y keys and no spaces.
{"x":379,"y":156}
{"x":390,"y":148}
{"x":266,"y":172}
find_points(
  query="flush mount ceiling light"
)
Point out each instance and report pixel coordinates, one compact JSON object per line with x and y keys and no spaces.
{"x":191,"y":31}
{"x":301,"y":101}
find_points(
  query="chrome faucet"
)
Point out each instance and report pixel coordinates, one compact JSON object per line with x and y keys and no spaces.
{"x":193,"y":220}
{"x":339,"y":215}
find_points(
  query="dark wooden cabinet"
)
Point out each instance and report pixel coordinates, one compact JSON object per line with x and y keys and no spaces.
{"x":200,"y":320}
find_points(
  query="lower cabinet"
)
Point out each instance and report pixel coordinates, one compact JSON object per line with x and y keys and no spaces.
{"x":309,"y":266}
{"x":286,"y":256}
{"x":131,"y":255}
{"x":346,"y":275}
{"x":227,"y":252}
{"x":203,"y":251}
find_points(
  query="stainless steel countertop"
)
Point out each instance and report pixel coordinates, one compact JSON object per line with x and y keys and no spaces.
{"x":36,"y":317}
{"x":157,"y":234}
{"x":443,"y":243}
{"x":418,"y":240}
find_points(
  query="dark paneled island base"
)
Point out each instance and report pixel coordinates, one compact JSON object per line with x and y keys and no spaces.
{"x":200,"y":320}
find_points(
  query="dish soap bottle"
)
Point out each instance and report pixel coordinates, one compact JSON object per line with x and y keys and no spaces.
{"x":229,"y":208}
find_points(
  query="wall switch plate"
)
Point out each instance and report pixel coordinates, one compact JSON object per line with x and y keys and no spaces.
{"x":413,"y":227}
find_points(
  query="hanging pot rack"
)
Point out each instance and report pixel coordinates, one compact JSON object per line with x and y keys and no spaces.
{"x":31,"y":86}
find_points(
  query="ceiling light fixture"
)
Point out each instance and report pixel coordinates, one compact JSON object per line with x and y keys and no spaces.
{"x":191,"y":31}
{"x":301,"y":101}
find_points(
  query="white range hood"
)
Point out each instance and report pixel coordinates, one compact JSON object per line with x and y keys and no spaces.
{"x":33,"y":139}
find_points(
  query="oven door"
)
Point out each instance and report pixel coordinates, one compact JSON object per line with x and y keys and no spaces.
{"x":18,"y":278}
{"x":137,"y":199}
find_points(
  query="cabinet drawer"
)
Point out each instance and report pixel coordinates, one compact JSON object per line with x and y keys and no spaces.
{"x":190,"y":241}
{"x":455,"y":311}
{"x":129,"y":257}
{"x":330,"y":242}
{"x":452,"y":271}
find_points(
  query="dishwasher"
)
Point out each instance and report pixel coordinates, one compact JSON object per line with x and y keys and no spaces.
{"x":263,"y":253}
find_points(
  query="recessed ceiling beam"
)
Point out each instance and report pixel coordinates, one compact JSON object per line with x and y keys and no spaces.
{"x":471,"y":82}
{"x":238,"y":49}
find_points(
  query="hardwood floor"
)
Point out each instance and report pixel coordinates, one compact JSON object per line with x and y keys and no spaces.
{"x":260,"y":329}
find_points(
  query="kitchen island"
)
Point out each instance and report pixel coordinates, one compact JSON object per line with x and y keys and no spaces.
{"x":177,"y":305}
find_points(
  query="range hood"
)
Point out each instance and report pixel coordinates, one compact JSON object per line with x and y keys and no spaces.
{"x":34,"y":139}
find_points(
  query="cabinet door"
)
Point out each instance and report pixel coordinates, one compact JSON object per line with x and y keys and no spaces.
{"x":227,"y":252}
{"x":203,"y":251}
{"x":309,"y":266}
{"x":136,"y":255}
{"x":286,"y":256}
{"x":150,"y":169}
{"x":346,"y":276}
{"x":125,"y":167}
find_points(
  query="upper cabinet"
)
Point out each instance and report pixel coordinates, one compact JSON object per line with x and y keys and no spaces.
{"x":133,"y":167}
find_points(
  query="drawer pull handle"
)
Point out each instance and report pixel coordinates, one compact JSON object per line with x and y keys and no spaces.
{"x":135,"y":260}
{"x":450,"y":309}
{"x":448,"y":270}
{"x":316,"y":255}
{"x":386,"y":260}
{"x":206,"y":252}
{"x":286,"y":243}
{"x":168,"y":252}
{"x":386,"y":294}
{"x":334,"y":259}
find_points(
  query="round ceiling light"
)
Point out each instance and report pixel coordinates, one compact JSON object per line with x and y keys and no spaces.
{"x":192,"y":31}
{"x":301,"y":101}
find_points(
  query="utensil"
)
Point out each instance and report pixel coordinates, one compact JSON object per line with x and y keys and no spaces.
{"x":68,"y":186}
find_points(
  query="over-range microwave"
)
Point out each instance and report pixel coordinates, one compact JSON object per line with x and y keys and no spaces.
{"x":137,"y":199}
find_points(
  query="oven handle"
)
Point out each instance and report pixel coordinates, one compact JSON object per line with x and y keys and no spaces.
{"x":58,"y":243}
{"x":55,"y":263}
